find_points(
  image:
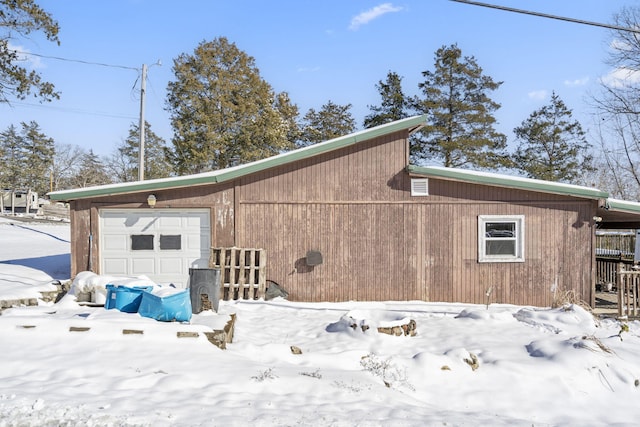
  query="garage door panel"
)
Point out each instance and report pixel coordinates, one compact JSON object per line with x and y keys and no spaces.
{"x":171,"y":266}
{"x":116,"y":265}
{"x":115,"y":242}
{"x":144,"y":266}
{"x":196,"y":242}
{"x":110,"y":221}
{"x":185,"y":237}
{"x":197,"y":220}
{"x":170,"y":221}
{"x":205,"y":241}
{"x":145,"y":225}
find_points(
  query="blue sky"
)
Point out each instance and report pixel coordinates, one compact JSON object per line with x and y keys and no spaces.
{"x":316,"y":51}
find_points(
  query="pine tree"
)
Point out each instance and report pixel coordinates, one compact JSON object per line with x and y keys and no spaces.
{"x":124,"y":163}
{"x":27,"y":158}
{"x":330,"y":122}
{"x":91,"y":171}
{"x":394,"y":105}
{"x":22,"y":17}
{"x":222,"y":111}
{"x":11,"y":159}
{"x":552,"y":146}
{"x":459,"y":130}
{"x":38,"y":153}
{"x":289,"y":113}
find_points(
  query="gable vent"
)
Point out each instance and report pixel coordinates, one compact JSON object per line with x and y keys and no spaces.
{"x":419,"y":187}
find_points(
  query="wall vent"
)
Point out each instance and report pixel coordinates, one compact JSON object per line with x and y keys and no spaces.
{"x":419,"y":187}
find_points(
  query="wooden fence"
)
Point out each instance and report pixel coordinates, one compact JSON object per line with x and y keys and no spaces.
{"x":242,"y":272}
{"x":621,"y":244}
{"x":607,"y":271}
{"x":628,"y":286}
{"x":618,"y":274}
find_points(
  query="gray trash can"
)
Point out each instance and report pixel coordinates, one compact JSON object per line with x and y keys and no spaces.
{"x":204,"y":285}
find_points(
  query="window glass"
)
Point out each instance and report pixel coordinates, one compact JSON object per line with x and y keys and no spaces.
{"x":497,"y":247}
{"x":169,"y":242}
{"x":141,"y":242}
{"x":500,"y":229}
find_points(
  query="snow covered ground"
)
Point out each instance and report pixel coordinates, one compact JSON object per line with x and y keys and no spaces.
{"x":71,"y":365}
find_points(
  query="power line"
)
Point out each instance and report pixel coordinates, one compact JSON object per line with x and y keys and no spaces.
{"x":545,"y":15}
{"x":79,"y":61}
{"x":74,"y":110}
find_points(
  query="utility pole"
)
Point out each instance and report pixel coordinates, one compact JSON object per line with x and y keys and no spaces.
{"x":143,"y":89}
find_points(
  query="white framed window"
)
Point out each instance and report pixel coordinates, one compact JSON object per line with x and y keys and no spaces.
{"x":501,"y":238}
{"x":419,"y":187}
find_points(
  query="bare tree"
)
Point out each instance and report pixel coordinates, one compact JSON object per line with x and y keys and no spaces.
{"x":618,"y":105}
{"x":66,"y":163}
{"x":617,"y":169}
{"x":121,"y":166}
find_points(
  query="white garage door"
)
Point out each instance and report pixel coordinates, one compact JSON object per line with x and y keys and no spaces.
{"x":159,"y":243}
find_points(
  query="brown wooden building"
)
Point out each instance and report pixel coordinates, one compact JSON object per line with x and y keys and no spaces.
{"x":350,"y":219}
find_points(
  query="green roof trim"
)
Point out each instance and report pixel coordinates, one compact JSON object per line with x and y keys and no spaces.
{"x":622,"y":206}
{"x":411,"y":124}
{"x":507,"y":181}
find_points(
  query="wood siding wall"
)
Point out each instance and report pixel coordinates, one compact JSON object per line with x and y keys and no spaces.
{"x":377,"y":241}
{"x":425,"y":251}
{"x":380,"y":243}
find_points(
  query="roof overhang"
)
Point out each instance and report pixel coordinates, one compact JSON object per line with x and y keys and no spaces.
{"x":506,"y":181}
{"x":612,"y":213}
{"x":411,"y":124}
{"x":617,"y":214}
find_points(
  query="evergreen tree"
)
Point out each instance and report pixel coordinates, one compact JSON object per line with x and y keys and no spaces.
{"x":91,"y":171}
{"x":12,"y":159}
{"x":2,"y":160}
{"x":289,"y":113}
{"x":27,"y":157}
{"x":459,"y":130}
{"x":552,"y":146}
{"x":125,"y":161}
{"x":330,"y":122}
{"x":395,"y":105}
{"x":22,"y":17}
{"x":38,"y":152}
{"x":222,"y":111}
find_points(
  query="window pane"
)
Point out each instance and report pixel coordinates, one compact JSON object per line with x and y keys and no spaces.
{"x":141,"y":242}
{"x":500,"y":229}
{"x":501,"y":247}
{"x":170,"y":242}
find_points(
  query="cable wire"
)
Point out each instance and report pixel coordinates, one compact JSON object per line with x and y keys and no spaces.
{"x":74,"y":110}
{"x":545,"y":15}
{"x":80,"y":61}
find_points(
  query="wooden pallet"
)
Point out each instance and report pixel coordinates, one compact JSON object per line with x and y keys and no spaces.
{"x":242,"y":272}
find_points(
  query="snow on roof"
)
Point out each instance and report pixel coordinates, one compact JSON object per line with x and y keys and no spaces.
{"x":622,"y":205}
{"x":222,"y":175}
{"x":501,"y":180}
